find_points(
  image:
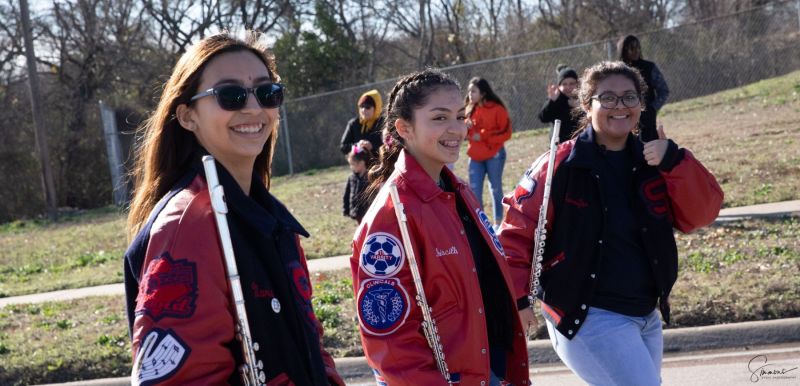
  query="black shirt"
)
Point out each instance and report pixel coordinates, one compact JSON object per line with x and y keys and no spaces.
{"x":626,"y":283}
{"x":498,"y":313}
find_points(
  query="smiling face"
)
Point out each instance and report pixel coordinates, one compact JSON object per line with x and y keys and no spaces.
{"x":235,"y":138}
{"x":612,"y":125}
{"x":567,"y":87}
{"x":436,"y":131}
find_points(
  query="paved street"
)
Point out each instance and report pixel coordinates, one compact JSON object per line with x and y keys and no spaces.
{"x":707,"y":368}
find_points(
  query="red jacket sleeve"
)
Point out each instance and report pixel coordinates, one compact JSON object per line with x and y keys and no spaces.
{"x":518,"y":230}
{"x":694,"y":193}
{"x":501,"y":132}
{"x":330,"y":366}
{"x":395,"y":346}
{"x":184,"y":321}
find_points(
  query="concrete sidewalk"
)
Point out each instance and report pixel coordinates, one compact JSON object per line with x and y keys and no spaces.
{"x":677,"y":342}
{"x":775,"y":209}
{"x":316,"y":265}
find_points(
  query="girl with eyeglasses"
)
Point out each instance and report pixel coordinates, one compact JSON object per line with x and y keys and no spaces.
{"x":222,"y":99}
{"x":610,"y":258}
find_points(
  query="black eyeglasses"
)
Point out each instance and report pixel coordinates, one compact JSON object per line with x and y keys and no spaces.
{"x":233,"y":97}
{"x":610,"y":100}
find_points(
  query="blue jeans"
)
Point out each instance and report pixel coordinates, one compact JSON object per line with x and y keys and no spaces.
{"x":494,"y":168}
{"x":613,"y":349}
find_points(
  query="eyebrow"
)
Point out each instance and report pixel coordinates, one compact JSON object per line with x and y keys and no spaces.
{"x":445,"y":109}
{"x":261,"y":79}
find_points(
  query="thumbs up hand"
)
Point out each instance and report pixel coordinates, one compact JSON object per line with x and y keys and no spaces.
{"x":654,"y":150}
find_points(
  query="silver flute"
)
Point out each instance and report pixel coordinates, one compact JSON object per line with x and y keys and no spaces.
{"x":252,"y":370}
{"x":428,"y":323}
{"x":541,"y":227}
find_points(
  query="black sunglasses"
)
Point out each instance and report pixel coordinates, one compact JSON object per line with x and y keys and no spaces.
{"x":233,"y":97}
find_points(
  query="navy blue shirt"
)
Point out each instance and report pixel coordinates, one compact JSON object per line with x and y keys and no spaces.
{"x":626,"y":283}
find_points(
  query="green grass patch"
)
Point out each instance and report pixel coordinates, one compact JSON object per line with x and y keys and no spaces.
{"x":64,"y":341}
{"x":730,"y":272}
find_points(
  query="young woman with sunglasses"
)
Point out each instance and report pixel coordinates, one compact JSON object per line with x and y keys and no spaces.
{"x":610,"y":256}
{"x":222,"y":99}
{"x":460,"y":262}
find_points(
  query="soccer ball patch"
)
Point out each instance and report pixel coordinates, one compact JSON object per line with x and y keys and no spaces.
{"x":489,"y":229}
{"x":381,"y":255}
{"x":382,"y":306}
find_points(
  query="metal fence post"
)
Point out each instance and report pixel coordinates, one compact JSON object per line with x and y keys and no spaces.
{"x":114,"y":152}
{"x":285,"y":127}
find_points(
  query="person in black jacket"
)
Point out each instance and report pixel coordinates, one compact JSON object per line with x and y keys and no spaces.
{"x":354,"y":203}
{"x":630,"y":52}
{"x":561,"y":102}
{"x":365,"y":129}
{"x":609,"y":258}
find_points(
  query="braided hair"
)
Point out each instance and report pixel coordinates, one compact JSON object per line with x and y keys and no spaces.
{"x":409,"y":93}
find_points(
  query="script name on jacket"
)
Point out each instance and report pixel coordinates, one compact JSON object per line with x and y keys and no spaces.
{"x":450,"y":251}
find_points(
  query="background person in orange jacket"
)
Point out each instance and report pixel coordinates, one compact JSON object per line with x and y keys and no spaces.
{"x":610,"y":257}
{"x":461,"y":264}
{"x":221,"y":99}
{"x":489,"y":129}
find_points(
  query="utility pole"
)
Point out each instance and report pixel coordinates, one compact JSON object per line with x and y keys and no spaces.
{"x":38,"y":122}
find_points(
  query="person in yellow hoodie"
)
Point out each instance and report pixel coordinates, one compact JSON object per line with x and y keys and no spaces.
{"x":364,"y":131}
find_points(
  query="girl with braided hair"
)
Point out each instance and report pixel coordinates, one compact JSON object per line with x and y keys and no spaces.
{"x":461,"y":264}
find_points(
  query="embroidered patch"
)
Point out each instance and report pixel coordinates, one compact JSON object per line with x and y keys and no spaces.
{"x":578,"y":203}
{"x":159,"y":357}
{"x":525,"y":188}
{"x":379,"y":379}
{"x":382,"y":306}
{"x":168,"y":289}
{"x":300,"y":280}
{"x":490,"y":229}
{"x":445,"y":252}
{"x":655,"y":196}
{"x":382,"y":255}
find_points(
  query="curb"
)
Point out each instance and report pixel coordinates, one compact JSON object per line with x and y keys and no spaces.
{"x":679,"y":340}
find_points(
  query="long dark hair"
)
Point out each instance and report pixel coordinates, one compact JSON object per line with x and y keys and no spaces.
{"x":409,"y":93}
{"x":624,"y":42}
{"x":485,"y":89}
{"x":593,"y":75}
{"x":166,"y":149}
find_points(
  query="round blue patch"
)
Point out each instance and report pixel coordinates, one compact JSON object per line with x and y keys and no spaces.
{"x":382,"y":306}
{"x":381,"y":255}
{"x":488,"y":226}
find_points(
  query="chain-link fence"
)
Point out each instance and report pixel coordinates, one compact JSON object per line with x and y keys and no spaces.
{"x":696,"y":59}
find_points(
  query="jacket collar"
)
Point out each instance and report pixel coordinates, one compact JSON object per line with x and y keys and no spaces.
{"x":261,"y":209}
{"x":587,"y":152}
{"x":417,"y":180}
